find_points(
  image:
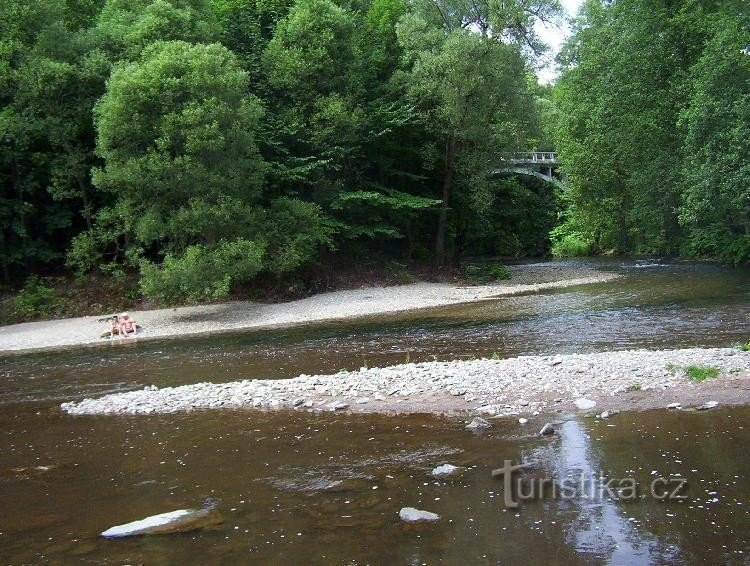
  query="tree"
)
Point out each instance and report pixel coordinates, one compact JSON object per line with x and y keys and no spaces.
{"x":716,"y":125}
{"x":471,"y":92}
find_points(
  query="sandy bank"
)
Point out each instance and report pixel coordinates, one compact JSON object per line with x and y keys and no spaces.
{"x":525,"y":385}
{"x":337,"y":305}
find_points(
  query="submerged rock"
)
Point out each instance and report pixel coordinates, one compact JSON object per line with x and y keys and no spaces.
{"x":179,"y":521}
{"x":412,"y":515}
{"x":447,"y":471}
{"x":478,"y":423}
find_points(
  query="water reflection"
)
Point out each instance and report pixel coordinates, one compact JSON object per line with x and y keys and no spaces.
{"x":601,"y":528}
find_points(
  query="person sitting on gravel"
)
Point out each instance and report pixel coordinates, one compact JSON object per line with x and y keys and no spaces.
{"x":127,"y":325}
{"x":114,"y":326}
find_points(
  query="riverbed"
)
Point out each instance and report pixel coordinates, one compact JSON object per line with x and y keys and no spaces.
{"x":327,"y":488}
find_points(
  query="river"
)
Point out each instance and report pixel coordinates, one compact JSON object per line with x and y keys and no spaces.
{"x":299,"y":487}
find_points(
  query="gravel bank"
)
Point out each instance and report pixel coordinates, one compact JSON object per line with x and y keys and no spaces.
{"x":337,"y":305}
{"x":523,"y":385}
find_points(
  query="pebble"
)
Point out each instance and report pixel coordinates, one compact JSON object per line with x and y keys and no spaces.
{"x":522,"y":420}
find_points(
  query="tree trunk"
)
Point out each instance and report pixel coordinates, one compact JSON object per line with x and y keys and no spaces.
{"x":450,"y":161}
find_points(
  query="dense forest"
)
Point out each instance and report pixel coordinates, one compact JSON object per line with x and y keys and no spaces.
{"x":654,"y":129}
{"x":203,"y":144}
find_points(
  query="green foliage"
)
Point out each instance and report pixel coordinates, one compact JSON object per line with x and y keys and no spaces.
{"x":202,"y":273}
{"x":745,"y":347}
{"x":35,"y":300}
{"x":653,"y":125}
{"x":170,"y":137}
{"x":701,"y":373}
{"x":486,"y":272}
{"x":566,"y":243}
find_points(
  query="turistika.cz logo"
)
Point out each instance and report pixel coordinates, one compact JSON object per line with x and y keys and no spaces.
{"x":518,"y":488}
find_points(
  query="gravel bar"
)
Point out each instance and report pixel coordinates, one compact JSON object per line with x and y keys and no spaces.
{"x":522,"y":385}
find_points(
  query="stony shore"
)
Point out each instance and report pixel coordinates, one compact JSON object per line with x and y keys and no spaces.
{"x":337,"y":305}
{"x":526,"y":385}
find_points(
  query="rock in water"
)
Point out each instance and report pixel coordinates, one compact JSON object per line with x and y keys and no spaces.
{"x":585,"y":404}
{"x":674,"y":406}
{"x":706,"y":406}
{"x":180,"y":521}
{"x":411,"y":515}
{"x":547,"y":429}
{"x":478,"y":423}
{"x":522,"y":420}
{"x":447,"y":471}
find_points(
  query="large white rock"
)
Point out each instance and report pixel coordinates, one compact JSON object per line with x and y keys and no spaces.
{"x":179,"y":521}
{"x":411,"y":515}
{"x":447,"y":470}
{"x":585,"y":404}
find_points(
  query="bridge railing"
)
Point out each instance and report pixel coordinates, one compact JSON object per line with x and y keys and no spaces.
{"x":532,"y":157}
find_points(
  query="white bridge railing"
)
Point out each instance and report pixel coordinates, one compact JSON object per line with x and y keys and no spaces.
{"x":542,"y":157}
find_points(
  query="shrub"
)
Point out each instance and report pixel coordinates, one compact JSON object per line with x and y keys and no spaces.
{"x":35,"y":300}
{"x":485,"y":273}
{"x":701,"y":373}
{"x":570,"y":245}
{"x":745,"y":347}
{"x":202,"y":273}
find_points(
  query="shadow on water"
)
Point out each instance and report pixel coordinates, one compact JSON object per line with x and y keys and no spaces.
{"x":321,"y":489}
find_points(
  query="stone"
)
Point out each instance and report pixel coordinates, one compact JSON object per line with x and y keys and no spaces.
{"x":447,"y":471}
{"x":298,"y":402}
{"x":412,"y":515}
{"x":547,"y":429}
{"x":674,"y":406}
{"x":522,"y":420}
{"x":362,"y":400}
{"x":585,"y":404}
{"x":706,"y":406}
{"x":338,"y":406}
{"x":604,"y":415}
{"x":179,"y":521}
{"x":478,"y":423}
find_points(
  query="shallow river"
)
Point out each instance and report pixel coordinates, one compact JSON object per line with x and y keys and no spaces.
{"x":297,"y":487}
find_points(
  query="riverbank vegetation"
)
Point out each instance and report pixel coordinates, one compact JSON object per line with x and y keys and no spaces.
{"x":654,"y":121}
{"x":205,"y":146}
{"x":190,"y":150}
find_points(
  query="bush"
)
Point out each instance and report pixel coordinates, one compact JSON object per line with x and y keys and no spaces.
{"x":486,"y":273}
{"x":745,"y":347}
{"x":35,"y":300}
{"x":202,"y":273}
{"x":570,"y":245}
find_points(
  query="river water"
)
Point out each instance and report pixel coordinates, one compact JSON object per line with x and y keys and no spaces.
{"x":298,"y":487}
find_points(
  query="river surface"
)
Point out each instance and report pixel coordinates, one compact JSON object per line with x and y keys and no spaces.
{"x":295,"y":487}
